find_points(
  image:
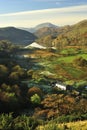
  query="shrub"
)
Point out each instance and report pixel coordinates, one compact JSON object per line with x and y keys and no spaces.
{"x":5,"y":121}
{"x":14,"y":76}
{"x":6,"y":88}
{"x":16,"y":68}
{"x":21,"y":72}
{"x":3,"y":70}
{"x":3,"y":73}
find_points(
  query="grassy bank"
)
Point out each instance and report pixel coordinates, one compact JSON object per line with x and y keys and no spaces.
{"x":80,"y":125}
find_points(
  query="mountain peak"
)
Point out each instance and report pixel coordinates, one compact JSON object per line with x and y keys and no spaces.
{"x":47,"y":24}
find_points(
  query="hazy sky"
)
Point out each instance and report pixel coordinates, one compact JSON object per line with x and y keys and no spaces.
{"x":29,"y":13}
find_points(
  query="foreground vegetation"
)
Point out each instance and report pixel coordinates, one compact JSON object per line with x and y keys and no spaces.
{"x":9,"y":122}
{"x":82,"y":125}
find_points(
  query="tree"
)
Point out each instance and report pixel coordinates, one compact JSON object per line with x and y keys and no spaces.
{"x":14,"y":76}
{"x":3,"y":70}
{"x":3,"y":73}
{"x":17,"y":69}
{"x":35,"y":99}
{"x":34,"y":90}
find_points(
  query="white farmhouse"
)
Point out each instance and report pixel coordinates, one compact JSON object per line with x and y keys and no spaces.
{"x":60,"y":86}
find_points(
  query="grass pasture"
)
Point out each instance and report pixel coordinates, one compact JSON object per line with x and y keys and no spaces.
{"x":69,"y":59}
{"x":64,"y":66}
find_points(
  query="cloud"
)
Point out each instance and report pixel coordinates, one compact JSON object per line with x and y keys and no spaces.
{"x":58,"y":10}
{"x":59,"y":16}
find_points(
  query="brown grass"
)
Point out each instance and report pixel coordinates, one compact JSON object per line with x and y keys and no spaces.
{"x":79,"y":125}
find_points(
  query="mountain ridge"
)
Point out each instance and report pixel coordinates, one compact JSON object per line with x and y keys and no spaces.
{"x":74,"y":35}
{"x":16,"y":36}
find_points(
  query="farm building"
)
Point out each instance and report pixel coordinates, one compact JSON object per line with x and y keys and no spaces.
{"x":59,"y":85}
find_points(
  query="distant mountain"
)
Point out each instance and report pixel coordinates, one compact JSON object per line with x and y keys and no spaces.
{"x":17,"y":36}
{"x":46,"y":31}
{"x":54,"y":31}
{"x":39,"y":26}
{"x":31,"y":30}
{"x":50,"y":25}
{"x":51,"y":31}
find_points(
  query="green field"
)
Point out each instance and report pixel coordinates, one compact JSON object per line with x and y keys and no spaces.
{"x":65,"y":65}
{"x":69,"y":59}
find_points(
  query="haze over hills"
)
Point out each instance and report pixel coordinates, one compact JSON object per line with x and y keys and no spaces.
{"x":17,"y":36}
{"x":39,"y":26}
{"x":47,"y":29}
{"x":45,"y":25}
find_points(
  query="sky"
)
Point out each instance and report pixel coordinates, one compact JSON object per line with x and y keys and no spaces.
{"x":29,"y":13}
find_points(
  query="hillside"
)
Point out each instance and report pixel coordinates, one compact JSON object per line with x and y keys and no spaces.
{"x":16,"y":35}
{"x":75,"y":35}
{"x":51,"y":31}
{"x":46,"y":31}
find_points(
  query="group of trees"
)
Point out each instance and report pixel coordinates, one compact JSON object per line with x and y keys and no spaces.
{"x":7,"y":46}
{"x":12,"y":74}
{"x":13,"y":93}
{"x":56,"y":105}
{"x":46,"y":40}
{"x":63,"y":40}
